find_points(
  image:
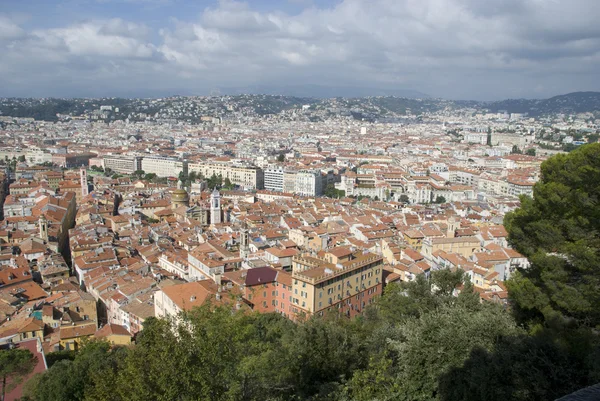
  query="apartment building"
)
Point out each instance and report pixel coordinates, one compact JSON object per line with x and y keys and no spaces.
{"x":274,"y":178}
{"x":309,"y":183}
{"x":122,"y":164}
{"x":243,"y":175}
{"x":164,"y":166}
{"x":348,"y":286}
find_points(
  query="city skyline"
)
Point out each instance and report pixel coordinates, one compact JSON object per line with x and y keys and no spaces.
{"x":458,"y":49}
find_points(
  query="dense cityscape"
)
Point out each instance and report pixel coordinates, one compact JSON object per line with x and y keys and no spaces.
{"x":299,"y":200}
{"x":119,"y":211}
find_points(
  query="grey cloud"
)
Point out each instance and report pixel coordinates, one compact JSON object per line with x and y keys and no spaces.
{"x":452,"y":48}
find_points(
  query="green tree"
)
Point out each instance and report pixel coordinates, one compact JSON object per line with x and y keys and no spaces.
{"x":150,"y":177}
{"x":332,"y":192}
{"x":515,"y":150}
{"x":593,"y":138}
{"x":72,"y":379}
{"x":558,"y":231}
{"x":404,"y":198}
{"x":440,"y":199}
{"x":423,"y":348}
{"x":281,"y":158}
{"x":530,"y":152}
{"x":15,"y":365}
{"x":22,"y":158}
{"x":519,"y":368}
{"x":227,"y":184}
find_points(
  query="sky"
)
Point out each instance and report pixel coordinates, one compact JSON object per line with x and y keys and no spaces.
{"x":454,"y":49}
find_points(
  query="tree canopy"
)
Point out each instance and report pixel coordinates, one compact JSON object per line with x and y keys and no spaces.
{"x":559,"y":231}
{"x":15,"y":364}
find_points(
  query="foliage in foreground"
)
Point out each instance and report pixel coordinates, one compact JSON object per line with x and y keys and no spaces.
{"x":418,"y":342}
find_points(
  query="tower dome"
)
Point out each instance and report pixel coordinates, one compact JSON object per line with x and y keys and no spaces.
{"x":180,"y":197}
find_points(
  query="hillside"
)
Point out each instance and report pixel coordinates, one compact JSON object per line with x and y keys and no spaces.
{"x":576,"y":102}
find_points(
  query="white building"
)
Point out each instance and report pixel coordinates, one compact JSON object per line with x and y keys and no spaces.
{"x":163,"y":166}
{"x":309,"y":183}
{"x":122,"y":164}
{"x":274,"y":176}
{"x":215,"y":207}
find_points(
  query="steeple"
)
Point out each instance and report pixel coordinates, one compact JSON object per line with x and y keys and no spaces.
{"x":84,"y":182}
{"x":215,"y":207}
{"x":43,"y":225}
{"x":244,"y":242}
{"x":453,"y":225}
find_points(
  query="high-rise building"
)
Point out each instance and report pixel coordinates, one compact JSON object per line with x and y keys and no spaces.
{"x":274,"y":178}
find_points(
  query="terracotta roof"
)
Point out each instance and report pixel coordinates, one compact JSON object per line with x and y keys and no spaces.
{"x":261,"y":275}
{"x":112,"y":329}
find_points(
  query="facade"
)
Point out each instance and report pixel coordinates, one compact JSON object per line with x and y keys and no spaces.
{"x":163,"y":166}
{"x":274,"y":176}
{"x":244,"y":176}
{"x":319,"y":286}
{"x":70,"y":160}
{"x":309,"y":183}
{"x":122,"y":164}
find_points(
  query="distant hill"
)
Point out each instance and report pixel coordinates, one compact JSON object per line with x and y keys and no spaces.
{"x":576,"y":102}
{"x":369,"y":108}
{"x":322,"y":92}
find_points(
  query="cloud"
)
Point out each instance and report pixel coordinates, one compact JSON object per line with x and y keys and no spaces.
{"x":452,"y":48}
{"x":9,"y":30}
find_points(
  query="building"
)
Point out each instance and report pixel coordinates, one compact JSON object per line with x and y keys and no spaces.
{"x":164,"y":166}
{"x":215,"y":208}
{"x":243,"y":175}
{"x":174,"y":299}
{"x":114,"y":334}
{"x":347,"y":286}
{"x":308,"y":183}
{"x":122,"y":164}
{"x":70,"y":160}
{"x":85,"y":190}
{"x":274,"y":176}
